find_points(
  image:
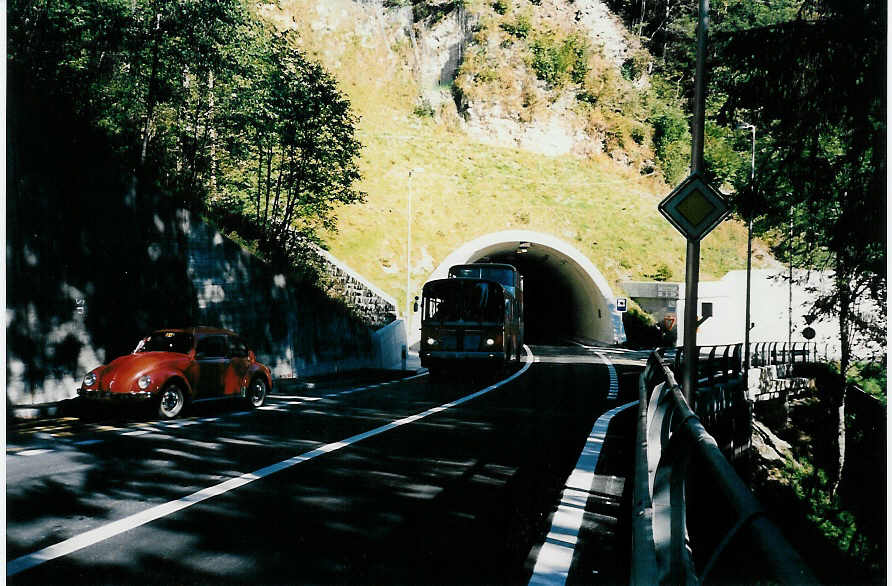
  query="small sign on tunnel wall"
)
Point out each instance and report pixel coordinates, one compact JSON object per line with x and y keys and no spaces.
{"x":621,"y":304}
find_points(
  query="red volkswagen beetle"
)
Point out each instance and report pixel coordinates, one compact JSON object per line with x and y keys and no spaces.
{"x":180,"y":366}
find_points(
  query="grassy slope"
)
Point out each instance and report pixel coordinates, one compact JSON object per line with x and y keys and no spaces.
{"x":467,"y":189}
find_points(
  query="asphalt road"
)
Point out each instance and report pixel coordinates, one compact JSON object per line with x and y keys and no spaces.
{"x":451,"y":480}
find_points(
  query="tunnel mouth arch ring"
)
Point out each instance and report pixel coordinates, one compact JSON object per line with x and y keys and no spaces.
{"x":564,"y":290}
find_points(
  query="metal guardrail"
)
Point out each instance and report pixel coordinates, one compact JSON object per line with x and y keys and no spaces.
{"x":719,"y":364}
{"x":669,"y":434}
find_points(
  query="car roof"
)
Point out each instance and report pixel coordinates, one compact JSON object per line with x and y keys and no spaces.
{"x":200,"y":330}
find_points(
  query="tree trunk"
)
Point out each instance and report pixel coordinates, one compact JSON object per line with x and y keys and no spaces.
{"x":839,"y":393}
{"x":151,"y":94}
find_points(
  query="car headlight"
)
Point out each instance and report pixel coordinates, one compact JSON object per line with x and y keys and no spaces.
{"x":144,"y":381}
{"x":431,"y":341}
{"x":90,"y":379}
{"x":490,"y":341}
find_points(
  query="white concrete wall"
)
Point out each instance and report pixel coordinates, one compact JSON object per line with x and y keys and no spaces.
{"x":388,"y":344}
{"x":770,"y":309}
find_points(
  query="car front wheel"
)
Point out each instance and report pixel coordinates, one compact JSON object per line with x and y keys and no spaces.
{"x":257,"y":393}
{"x":171,"y":401}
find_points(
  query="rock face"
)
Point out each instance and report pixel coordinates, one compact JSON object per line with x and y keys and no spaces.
{"x":522,"y":112}
{"x":770,"y":452}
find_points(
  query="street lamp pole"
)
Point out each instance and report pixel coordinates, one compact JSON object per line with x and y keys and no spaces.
{"x":409,"y":246}
{"x":749,"y":259}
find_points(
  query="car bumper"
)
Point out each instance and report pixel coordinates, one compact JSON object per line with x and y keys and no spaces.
{"x":97,"y":395}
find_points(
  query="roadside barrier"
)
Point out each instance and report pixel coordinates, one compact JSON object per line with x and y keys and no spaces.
{"x":669,"y":435}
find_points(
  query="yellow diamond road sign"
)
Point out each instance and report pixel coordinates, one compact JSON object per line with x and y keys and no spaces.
{"x":694,"y":207}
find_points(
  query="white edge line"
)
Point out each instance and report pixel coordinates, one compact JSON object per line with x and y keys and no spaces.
{"x":556,"y":554}
{"x":114,"y":528}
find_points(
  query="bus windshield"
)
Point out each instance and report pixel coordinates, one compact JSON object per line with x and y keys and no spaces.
{"x":463,"y":300}
{"x":502,"y":275}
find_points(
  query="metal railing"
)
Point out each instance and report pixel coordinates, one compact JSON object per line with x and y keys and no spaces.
{"x":770,"y":353}
{"x":669,"y":435}
{"x":724,"y":362}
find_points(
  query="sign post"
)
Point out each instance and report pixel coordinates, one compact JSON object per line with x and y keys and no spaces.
{"x":694,"y":208}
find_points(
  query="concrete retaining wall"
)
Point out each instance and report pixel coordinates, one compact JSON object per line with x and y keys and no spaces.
{"x":85,"y":282}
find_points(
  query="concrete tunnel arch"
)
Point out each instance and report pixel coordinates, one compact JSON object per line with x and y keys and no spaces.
{"x":566,"y":296}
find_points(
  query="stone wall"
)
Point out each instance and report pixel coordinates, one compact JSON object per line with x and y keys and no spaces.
{"x":85,"y":282}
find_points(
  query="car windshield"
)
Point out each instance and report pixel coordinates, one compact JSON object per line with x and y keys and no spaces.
{"x":463,"y":300}
{"x":179,"y":342}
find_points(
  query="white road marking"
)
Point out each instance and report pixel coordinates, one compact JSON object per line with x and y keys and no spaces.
{"x":34,"y":452}
{"x":114,"y":528}
{"x":296,"y":397}
{"x":613,"y":389}
{"x":556,"y":554}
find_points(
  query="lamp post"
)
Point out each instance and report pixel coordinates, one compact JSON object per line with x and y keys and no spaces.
{"x":749,"y":259}
{"x":409,"y":246}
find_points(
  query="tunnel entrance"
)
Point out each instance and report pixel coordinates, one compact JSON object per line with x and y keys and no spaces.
{"x":566,"y":297}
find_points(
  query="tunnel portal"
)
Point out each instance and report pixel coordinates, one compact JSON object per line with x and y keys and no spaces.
{"x":565,"y":295}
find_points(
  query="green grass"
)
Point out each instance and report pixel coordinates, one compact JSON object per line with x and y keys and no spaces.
{"x":468,"y":189}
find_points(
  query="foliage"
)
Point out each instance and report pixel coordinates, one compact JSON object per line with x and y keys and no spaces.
{"x":817,"y":84}
{"x":842,"y":535}
{"x":201,"y":100}
{"x":662,"y":273}
{"x":558,"y":60}
{"x":871,"y":377}
{"x":672,"y":139}
{"x":520,"y":28}
{"x":642,"y":330}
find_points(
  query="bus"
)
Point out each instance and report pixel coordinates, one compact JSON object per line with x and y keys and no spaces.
{"x":474,"y":315}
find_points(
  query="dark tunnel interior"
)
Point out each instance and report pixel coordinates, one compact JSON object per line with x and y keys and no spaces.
{"x":549,"y":302}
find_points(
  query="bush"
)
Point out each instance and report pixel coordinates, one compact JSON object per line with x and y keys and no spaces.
{"x":871,"y":377}
{"x":641,"y":329}
{"x":672,"y":141}
{"x":520,"y":28}
{"x":557,"y":61}
{"x":663,"y":273}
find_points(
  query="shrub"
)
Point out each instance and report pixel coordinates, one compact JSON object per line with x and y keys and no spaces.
{"x":671,"y":140}
{"x":663,"y":273}
{"x":520,"y":28}
{"x":557,"y":61}
{"x":424,"y":109}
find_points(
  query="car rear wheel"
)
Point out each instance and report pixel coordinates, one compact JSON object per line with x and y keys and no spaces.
{"x":256,"y":393}
{"x":171,"y":401}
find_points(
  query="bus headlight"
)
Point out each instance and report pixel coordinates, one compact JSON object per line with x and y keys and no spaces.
{"x":431,"y":341}
{"x":490,"y":341}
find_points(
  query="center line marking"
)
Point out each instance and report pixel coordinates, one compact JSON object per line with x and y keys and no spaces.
{"x":114,"y":528}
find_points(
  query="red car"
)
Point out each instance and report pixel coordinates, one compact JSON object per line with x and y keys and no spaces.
{"x":180,"y":366}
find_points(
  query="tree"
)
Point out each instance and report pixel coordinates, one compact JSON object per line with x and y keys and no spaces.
{"x":201,"y":100}
{"x":816,"y":84}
